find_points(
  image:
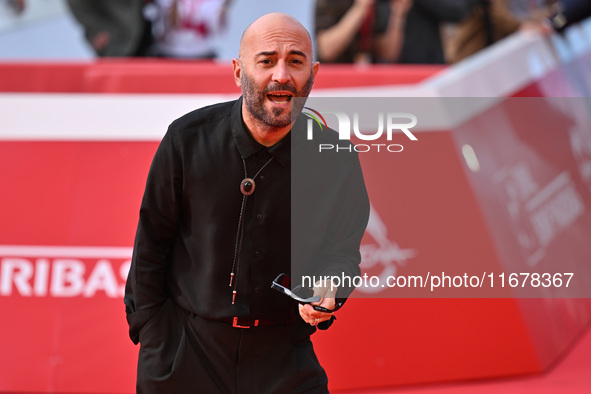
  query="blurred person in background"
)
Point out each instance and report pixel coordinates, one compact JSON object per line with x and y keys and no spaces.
{"x":422,"y":33}
{"x":493,"y":20}
{"x":360,"y":31}
{"x":113,"y":27}
{"x":18,"y":6}
{"x":187,"y":28}
{"x":568,"y":12}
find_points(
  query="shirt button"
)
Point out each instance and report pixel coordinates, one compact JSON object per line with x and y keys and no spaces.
{"x":260,"y":216}
{"x":257,"y":290}
{"x":262,"y":177}
{"x":258,"y":253}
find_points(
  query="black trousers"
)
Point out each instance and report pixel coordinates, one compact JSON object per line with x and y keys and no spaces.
{"x":183,"y":353}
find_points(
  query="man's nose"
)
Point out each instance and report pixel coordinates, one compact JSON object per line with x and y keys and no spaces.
{"x":281,"y":73}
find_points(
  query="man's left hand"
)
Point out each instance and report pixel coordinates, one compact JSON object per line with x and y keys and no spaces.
{"x":327,"y":300}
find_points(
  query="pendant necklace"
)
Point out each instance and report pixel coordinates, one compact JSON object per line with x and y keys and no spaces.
{"x":247,"y":187}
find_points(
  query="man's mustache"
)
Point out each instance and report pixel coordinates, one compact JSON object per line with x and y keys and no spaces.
{"x":280,"y":86}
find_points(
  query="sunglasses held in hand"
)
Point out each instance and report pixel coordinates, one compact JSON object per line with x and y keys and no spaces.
{"x":303,"y":295}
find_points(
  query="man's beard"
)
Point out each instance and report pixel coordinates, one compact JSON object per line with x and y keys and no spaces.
{"x":254,"y":99}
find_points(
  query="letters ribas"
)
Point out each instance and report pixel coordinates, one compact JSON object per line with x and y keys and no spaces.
{"x":63,"y":277}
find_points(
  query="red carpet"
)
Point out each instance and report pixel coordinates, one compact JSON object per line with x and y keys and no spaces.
{"x":571,"y":374}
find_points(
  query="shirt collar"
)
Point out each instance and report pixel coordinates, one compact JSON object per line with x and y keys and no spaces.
{"x":248,"y":146}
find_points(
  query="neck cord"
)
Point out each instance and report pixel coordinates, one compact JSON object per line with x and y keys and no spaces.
{"x":247,"y":187}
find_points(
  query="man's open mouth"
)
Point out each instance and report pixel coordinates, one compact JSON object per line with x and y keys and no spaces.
{"x":280,"y":98}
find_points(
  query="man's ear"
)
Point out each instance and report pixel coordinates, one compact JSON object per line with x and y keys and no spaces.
{"x":315,"y":67}
{"x":237,"y":68}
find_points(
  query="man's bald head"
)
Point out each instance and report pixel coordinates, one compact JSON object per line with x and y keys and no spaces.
{"x":273,"y":22}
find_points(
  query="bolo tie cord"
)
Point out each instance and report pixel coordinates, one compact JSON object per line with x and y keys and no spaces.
{"x":247,"y":187}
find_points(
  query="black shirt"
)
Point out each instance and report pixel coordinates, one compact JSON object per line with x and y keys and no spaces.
{"x":189,"y":217}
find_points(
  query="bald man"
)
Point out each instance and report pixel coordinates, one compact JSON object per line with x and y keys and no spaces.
{"x":215,"y":230}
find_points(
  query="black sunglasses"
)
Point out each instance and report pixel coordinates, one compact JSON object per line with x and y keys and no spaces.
{"x":303,"y":295}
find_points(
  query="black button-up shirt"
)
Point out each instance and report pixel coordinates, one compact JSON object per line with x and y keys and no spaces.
{"x":187,"y":238}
